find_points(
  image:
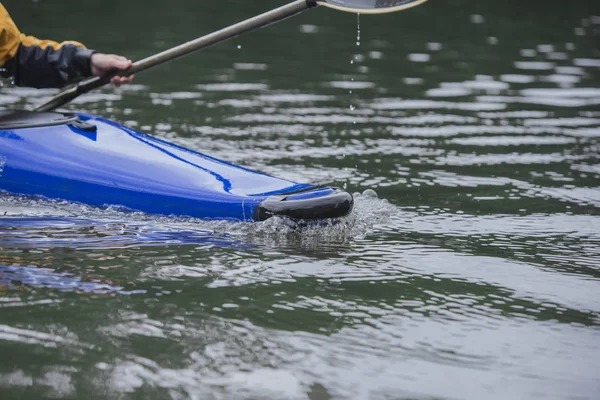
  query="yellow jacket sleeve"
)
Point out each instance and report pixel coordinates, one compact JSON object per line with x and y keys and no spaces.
{"x":39,"y":63}
{"x":10,"y":37}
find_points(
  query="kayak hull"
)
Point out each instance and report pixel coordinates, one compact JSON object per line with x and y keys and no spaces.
{"x":95,"y":161}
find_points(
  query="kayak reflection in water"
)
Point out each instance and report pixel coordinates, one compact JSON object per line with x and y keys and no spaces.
{"x":46,"y":64}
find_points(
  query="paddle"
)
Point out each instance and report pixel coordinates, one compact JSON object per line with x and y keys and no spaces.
{"x":355,"y":6}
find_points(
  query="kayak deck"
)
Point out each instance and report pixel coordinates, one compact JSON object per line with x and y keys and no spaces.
{"x":98,"y":162}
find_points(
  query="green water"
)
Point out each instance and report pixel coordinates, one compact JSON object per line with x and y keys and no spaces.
{"x":473,"y":275}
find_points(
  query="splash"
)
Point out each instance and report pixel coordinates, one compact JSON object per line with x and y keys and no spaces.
{"x":66,"y":224}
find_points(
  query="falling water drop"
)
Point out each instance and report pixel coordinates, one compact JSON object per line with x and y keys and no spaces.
{"x":355,"y":58}
{"x":239,"y":46}
{"x":358,"y":29}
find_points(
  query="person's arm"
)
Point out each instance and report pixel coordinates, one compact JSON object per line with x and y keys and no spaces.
{"x":45,"y":63}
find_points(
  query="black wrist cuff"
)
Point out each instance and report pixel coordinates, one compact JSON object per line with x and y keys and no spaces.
{"x":81,"y":61}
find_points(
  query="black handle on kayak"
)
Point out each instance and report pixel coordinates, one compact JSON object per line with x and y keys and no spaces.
{"x":260,"y":21}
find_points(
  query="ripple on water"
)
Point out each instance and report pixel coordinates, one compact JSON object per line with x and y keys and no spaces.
{"x":46,"y":278}
{"x":481,"y":267}
{"x":221,"y":356}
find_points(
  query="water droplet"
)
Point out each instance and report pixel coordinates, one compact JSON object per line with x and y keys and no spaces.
{"x":239,"y":46}
{"x":477,"y":19}
{"x":345,"y":186}
{"x":352,"y":108}
{"x":358,"y":29}
{"x":370,"y":193}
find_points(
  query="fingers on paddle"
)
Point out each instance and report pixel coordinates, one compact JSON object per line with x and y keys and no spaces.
{"x":121,"y":63}
{"x":121,"y":80}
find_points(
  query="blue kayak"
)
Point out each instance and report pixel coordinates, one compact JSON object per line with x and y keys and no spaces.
{"x":91,"y":160}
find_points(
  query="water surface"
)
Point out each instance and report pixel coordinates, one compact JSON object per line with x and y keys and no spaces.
{"x":473,"y":275}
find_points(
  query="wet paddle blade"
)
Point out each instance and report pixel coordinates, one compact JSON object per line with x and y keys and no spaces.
{"x":370,"y":6}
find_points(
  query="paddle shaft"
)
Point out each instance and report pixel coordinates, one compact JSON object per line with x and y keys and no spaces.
{"x":259,"y":21}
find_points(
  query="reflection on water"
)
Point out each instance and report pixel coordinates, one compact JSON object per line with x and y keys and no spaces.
{"x":477,"y":127}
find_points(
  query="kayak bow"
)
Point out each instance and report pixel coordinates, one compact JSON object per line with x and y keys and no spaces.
{"x":91,"y":160}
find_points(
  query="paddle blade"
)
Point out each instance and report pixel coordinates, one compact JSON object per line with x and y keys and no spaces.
{"x":370,"y":6}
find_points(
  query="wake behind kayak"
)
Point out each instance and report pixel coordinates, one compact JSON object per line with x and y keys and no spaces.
{"x":91,"y":160}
